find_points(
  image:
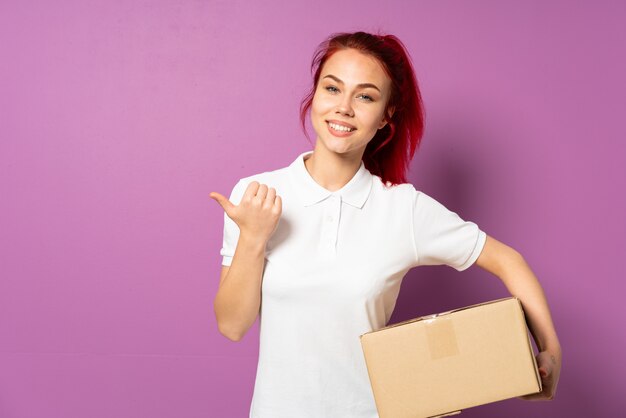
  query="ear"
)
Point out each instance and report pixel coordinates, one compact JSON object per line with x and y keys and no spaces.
{"x":390,"y":113}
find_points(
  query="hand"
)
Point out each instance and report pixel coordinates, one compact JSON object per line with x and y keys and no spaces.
{"x":258,"y":212}
{"x":549,"y":364}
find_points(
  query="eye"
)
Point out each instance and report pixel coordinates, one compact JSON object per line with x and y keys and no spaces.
{"x":332,"y":89}
{"x":366,"y":97}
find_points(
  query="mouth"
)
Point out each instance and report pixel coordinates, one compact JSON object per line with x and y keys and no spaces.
{"x":342,"y":128}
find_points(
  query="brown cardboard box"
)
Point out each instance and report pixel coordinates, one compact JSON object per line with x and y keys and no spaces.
{"x":443,"y":363}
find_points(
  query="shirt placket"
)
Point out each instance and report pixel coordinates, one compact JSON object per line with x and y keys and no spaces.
{"x":330,"y":226}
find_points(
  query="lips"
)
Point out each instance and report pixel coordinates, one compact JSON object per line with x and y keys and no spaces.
{"x":338,"y":122}
{"x":339,"y":132}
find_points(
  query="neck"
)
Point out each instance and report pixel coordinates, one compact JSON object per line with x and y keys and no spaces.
{"x":331,"y":170}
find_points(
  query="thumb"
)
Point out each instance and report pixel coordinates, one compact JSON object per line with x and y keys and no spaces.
{"x":223,"y":201}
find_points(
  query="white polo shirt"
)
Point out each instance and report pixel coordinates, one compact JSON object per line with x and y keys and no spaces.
{"x":333,"y":271}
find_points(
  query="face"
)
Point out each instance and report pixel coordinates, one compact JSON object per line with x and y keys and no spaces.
{"x":352,"y":92}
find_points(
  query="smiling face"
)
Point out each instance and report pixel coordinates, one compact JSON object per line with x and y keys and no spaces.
{"x":349,"y":102}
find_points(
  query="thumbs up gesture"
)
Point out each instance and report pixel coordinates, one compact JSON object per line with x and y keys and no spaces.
{"x":257,"y":214}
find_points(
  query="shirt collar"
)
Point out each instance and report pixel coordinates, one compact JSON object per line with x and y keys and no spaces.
{"x":354,"y":193}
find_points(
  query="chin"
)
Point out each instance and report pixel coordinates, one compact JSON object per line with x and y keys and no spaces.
{"x":346,"y":149}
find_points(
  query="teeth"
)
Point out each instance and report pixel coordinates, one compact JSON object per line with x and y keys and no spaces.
{"x":339,"y":127}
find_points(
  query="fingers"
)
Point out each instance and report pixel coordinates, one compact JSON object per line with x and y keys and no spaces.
{"x":251,"y":190}
{"x":547,"y":382}
{"x":272,"y":201}
{"x":255,"y":190}
{"x":545,"y":367}
{"x":278,"y":204}
{"x":262,"y":192}
{"x":270,"y":197}
{"x":546,"y":394}
{"x":267,"y":195}
{"x":541,"y":396}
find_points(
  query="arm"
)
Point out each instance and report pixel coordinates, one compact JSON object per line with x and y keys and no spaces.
{"x":238,"y":298}
{"x":510,"y":267}
{"x":253,"y":221}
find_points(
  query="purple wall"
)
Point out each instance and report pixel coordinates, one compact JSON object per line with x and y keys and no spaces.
{"x":118,"y":118}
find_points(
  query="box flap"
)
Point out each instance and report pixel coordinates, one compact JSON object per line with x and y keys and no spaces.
{"x":432,"y":316}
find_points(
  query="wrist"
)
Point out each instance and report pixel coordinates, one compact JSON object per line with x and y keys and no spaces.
{"x":252,"y":241}
{"x":553,"y":347}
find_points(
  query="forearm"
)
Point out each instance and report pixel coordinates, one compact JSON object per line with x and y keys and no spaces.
{"x":509,"y":265}
{"x":521,"y":282}
{"x":238,"y":299}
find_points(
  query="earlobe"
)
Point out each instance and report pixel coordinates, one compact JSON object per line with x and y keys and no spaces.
{"x":384,"y":121}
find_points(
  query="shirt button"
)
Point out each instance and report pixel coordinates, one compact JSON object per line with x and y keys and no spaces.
{"x":329,"y":218}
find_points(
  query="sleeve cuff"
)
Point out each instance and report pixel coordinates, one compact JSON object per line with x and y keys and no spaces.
{"x":478,"y":248}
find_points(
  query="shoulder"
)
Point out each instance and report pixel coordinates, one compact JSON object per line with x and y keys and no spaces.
{"x":266,"y":177}
{"x":388,"y":190}
{"x":405,"y":192}
{"x":274,"y":178}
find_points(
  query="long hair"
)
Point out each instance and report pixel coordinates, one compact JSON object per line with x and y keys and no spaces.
{"x":392,"y":148}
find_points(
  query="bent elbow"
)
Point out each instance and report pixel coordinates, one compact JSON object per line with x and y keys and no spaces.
{"x":234,"y":337}
{"x":230,"y":334}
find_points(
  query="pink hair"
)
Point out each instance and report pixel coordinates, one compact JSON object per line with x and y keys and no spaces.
{"x":389,"y":153}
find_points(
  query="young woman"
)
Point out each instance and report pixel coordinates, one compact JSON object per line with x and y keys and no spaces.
{"x":318,"y":249}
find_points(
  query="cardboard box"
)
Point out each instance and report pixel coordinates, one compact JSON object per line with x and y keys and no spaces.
{"x":437,"y":365}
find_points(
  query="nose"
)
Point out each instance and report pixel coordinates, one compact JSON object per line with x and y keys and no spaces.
{"x":344,"y":106}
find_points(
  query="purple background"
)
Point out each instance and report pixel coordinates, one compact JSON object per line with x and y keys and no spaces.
{"x":118,"y":118}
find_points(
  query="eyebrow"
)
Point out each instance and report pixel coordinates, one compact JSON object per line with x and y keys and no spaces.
{"x":363,"y":85}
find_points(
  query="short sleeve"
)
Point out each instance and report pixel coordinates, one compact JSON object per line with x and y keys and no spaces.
{"x":442,"y":237}
{"x":231,"y":230}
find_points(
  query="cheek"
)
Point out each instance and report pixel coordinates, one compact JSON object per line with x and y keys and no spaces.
{"x":321,"y":104}
{"x":317,"y":112}
{"x":315,"y":104}
{"x":374,"y":118}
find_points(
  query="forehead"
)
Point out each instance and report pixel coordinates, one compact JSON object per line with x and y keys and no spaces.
{"x":354,"y":67}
